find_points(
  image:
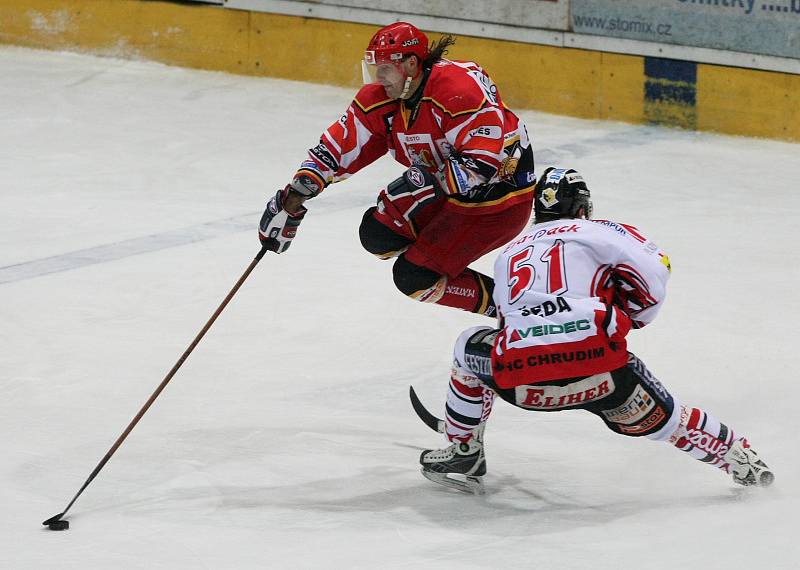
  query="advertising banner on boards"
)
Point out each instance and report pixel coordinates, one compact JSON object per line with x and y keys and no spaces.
{"x":767,"y":27}
{"x":542,"y":14}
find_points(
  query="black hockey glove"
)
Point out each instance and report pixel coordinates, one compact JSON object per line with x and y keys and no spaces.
{"x":278,"y":227}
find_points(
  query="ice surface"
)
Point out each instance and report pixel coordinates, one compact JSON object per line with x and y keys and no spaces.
{"x":130,"y":197}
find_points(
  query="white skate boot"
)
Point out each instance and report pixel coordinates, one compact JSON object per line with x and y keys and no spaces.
{"x":459,"y":466}
{"x":746,"y":467}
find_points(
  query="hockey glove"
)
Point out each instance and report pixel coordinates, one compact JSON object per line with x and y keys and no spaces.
{"x":278,"y":227}
{"x":400,"y":205}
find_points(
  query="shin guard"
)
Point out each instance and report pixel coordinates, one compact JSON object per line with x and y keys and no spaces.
{"x":469,"y":401}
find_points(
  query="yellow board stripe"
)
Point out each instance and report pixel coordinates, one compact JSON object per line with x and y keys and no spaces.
{"x":603,"y":85}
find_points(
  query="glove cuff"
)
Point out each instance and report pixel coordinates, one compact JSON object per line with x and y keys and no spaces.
{"x":308,"y":183}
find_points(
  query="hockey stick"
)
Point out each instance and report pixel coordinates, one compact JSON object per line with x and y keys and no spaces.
{"x":55,"y":522}
{"x":430,"y":420}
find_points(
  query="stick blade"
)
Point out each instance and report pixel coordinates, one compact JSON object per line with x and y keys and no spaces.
{"x":53,"y":519}
{"x":422,"y":412}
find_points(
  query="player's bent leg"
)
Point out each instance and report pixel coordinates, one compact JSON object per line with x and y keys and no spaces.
{"x":419,"y":283}
{"x":640,"y":405}
{"x":469,"y":403}
{"x":378,"y":239}
{"x":643,"y":407}
{"x":451,"y":240}
{"x":470,"y":291}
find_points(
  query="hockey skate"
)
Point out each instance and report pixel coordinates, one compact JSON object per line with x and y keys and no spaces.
{"x":458,"y":466}
{"x":746,"y":467}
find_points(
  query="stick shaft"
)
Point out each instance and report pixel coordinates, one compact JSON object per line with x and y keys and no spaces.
{"x":166,"y":379}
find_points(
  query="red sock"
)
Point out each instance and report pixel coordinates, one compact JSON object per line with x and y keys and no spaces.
{"x":470,"y":291}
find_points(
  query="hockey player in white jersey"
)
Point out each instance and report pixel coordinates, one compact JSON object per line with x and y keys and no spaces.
{"x":568,"y":291}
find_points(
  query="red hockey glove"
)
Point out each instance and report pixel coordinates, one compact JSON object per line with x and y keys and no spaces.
{"x":631,"y":296}
{"x":405,"y":198}
{"x":278,"y":227}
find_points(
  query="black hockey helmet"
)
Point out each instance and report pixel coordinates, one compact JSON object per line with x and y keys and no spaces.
{"x":561,"y":193}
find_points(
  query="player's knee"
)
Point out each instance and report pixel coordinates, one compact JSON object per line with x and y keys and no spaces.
{"x":417,"y":282}
{"x":646,"y":408}
{"x":472,"y":355}
{"x":379,"y":240}
{"x":460,"y":350}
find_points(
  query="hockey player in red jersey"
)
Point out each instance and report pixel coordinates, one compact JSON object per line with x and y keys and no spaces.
{"x":468,"y":188}
{"x":568,"y":291}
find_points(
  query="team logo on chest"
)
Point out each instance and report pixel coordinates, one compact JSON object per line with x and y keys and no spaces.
{"x":422,"y":150}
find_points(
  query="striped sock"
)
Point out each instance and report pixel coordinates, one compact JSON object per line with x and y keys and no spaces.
{"x":468,"y":405}
{"x":703,"y":437}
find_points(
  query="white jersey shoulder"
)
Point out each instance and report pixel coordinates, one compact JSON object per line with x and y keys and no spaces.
{"x":597,"y":260}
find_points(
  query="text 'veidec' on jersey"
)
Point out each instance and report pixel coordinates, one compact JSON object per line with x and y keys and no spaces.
{"x":547,"y":330}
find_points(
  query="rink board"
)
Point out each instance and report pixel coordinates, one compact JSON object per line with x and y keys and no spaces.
{"x":575,"y":82}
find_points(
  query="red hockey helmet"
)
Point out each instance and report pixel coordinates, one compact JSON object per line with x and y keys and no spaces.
{"x":392,"y":43}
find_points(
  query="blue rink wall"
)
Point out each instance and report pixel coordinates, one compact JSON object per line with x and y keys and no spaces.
{"x":575,"y":82}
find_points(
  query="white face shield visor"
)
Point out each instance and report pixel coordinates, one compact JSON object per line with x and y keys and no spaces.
{"x":389,"y":74}
{"x":374,"y":71}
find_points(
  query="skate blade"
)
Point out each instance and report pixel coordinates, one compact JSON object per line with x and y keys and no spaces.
{"x":469,"y":484}
{"x":763,"y":478}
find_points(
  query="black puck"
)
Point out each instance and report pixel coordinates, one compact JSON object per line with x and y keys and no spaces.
{"x":58,"y":525}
